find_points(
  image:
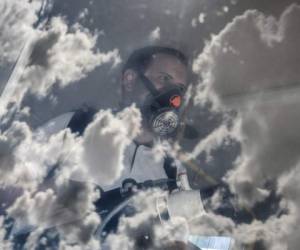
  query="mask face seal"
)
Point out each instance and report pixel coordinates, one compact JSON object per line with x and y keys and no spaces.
{"x":161,"y":109}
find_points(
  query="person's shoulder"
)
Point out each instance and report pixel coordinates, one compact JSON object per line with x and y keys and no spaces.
{"x":81,"y":118}
{"x":76,"y":120}
{"x":56,"y":124}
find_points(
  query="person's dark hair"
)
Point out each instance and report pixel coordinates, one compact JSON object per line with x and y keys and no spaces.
{"x":140,"y":59}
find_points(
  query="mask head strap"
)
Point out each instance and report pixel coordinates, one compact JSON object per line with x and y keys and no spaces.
{"x":148,"y":84}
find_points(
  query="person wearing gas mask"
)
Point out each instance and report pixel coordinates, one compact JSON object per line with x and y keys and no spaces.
{"x":155,"y":79}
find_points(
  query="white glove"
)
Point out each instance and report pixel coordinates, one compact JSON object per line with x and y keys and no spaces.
{"x":187,"y":204}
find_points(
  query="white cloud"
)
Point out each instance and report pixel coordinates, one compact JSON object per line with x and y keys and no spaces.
{"x":57,"y":202}
{"x":104,"y":142}
{"x":260,"y":53}
{"x":194,"y":22}
{"x":16,"y":21}
{"x":83,"y":14}
{"x":212,"y":224}
{"x":268,"y":127}
{"x":288,"y":186}
{"x":9,"y":141}
{"x":63,"y":55}
{"x":222,"y":134}
{"x":132,"y":230}
{"x":97,"y":156}
{"x":155,"y":34}
{"x":225,"y":8}
{"x":5,"y":243}
{"x":58,"y":55}
{"x":27,"y":156}
{"x":201,"y":17}
{"x":68,"y":207}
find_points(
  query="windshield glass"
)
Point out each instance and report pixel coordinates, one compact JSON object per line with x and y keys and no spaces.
{"x":163,"y":124}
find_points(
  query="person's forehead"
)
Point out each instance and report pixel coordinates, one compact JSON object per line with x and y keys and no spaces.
{"x":167,"y":62}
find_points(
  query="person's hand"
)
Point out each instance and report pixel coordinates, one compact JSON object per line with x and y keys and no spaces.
{"x":185,"y":204}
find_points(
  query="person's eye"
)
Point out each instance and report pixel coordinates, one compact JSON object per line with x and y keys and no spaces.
{"x":165,"y":78}
{"x":182,"y":87}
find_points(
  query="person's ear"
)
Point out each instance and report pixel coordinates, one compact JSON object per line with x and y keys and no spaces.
{"x":129,"y":79}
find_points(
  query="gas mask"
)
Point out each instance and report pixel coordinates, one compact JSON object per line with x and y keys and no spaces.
{"x":162,"y":108}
